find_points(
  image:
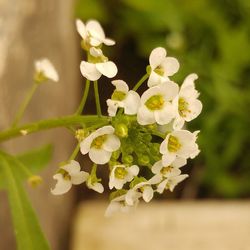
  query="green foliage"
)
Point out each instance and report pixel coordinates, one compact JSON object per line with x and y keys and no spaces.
{"x":211,"y":38}
{"x":28,"y":232}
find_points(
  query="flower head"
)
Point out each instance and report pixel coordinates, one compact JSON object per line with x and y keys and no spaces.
{"x":97,"y":66}
{"x":68,"y":175}
{"x":123,"y":98}
{"x":100,"y":144}
{"x":92,"y":34}
{"x":120,"y":174}
{"x":171,"y":182}
{"x":161,"y":66}
{"x":189,"y":107}
{"x":179,"y":143}
{"x":156,"y":104}
{"x":45,"y":71}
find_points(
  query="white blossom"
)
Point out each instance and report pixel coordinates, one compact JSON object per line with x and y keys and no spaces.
{"x":45,"y":70}
{"x":100,"y":144}
{"x":120,"y":174}
{"x":156,"y":104}
{"x":92,"y":34}
{"x":189,"y":107}
{"x":170,"y":170}
{"x":143,"y":189}
{"x":171,"y":182}
{"x":94,"y":184}
{"x":179,"y":143}
{"x":97,"y":65}
{"x":122,"y":97}
{"x":119,"y":204}
{"x":161,"y":66}
{"x":68,"y":175}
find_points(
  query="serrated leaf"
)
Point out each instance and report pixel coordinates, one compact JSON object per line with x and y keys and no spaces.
{"x":28,"y":233}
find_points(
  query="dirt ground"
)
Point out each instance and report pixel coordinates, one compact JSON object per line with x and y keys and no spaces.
{"x":203,"y":225}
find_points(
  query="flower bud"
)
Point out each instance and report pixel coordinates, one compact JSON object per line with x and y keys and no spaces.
{"x":121,"y":130}
{"x":127,"y":159}
{"x":143,"y":159}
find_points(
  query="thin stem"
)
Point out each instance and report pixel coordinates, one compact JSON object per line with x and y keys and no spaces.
{"x":24,"y":105}
{"x":158,"y":133}
{"x":75,"y":152}
{"x":97,"y":99}
{"x":84,"y":98}
{"x":141,"y":81}
{"x":65,"y":121}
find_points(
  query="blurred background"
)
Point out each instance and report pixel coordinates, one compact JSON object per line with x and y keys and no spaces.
{"x":210,"y":38}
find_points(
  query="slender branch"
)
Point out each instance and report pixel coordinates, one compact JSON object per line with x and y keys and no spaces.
{"x":24,"y":105}
{"x":65,"y":121}
{"x":140,"y":82}
{"x":97,"y":99}
{"x":75,"y":152}
{"x":84,"y":98}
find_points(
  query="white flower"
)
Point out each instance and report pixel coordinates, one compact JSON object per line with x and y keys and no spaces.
{"x":119,"y":204}
{"x":123,"y":98}
{"x":179,"y":143}
{"x":97,"y":66}
{"x":100,"y":144}
{"x":92,"y":34}
{"x":156,"y":104}
{"x":171,"y":170}
{"x":170,"y":183}
{"x":143,"y":189}
{"x":92,"y":183}
{"x":161,"y":66}
{"x":67,"y":176}
{"x":45,"y":70}
{"x":189,"y":107}
{"x":121,"y":174}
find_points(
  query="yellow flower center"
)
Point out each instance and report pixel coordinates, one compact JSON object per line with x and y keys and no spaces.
{"x":159,"y":70}
{"x":155,"y":102}
{"x":118,"y":95}
{"x":166,"y":170}
{"x":120,"y":173}
{"x":65,"y":174}
{"x":98,"y":141}
{"x":183,"y":107}
{"x":173,"y":144}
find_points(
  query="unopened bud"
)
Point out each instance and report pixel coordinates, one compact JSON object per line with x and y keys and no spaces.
{"x":121,"y":130}
{"x":35,"y":181}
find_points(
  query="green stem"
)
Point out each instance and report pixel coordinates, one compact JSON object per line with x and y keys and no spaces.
{"x":24,"y":105}
{"x":75,"y":152}
{"x":159,"y":134}
{"x":84,"y":98}
{"x":141,"y":81}
{"x":97,"y":99}
{"x":65,"y":121}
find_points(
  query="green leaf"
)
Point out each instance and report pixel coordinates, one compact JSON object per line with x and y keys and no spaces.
{"x":32,"y":161}
{"x":37,"y":159}
{"x":28,"y":233}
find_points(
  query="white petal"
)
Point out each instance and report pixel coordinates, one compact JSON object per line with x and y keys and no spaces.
{"x":112,"y":143}
{"x":112,"y":107}
{"x":189,"y":80}
{"x":178,"y":122}
{"x":108,"y":69}
{"x":148,"y":193}
{"x":95,"y":52}
{"x":117,"y":183}
{"x":131,"y":103}
{"x":81,"y":28}
{"x":170,"y":65}
{"x":62,"y":185}
{"x":168,"y":158}
{"x":120,"y":85}
{"x":132,"y":196}
{"x":109,"y":42}
{"x":165,"y":115}
{"x":154,"y":180}
{"x":156,"y":57}
{"x":164,"y":145}
{"x":195,"y":109}
{"x":156,"y":168}
{"x":112,"y":208}
{"x":73,"y":167}
{"x":169,"y":89}
{"x":105,"y":130}
{"x":99,"y":156}
{"x":90,"y":71}
{"x":179,"y":162}
{"x":98,"y":187}
{"x":133,"y":170}
{"x":47,"y":68}
{"x":144,"y":116}
{"x":95,"y":29}
{"x":161,"y":186}
{"x":176,"y":180}
{"x":155,"y":79}
{"x":79,"y":178}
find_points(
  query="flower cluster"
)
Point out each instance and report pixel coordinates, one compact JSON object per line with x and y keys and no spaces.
{"x":144,"y":142}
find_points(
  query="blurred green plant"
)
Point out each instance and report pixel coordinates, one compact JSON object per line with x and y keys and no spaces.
{"x":212,"y":38}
